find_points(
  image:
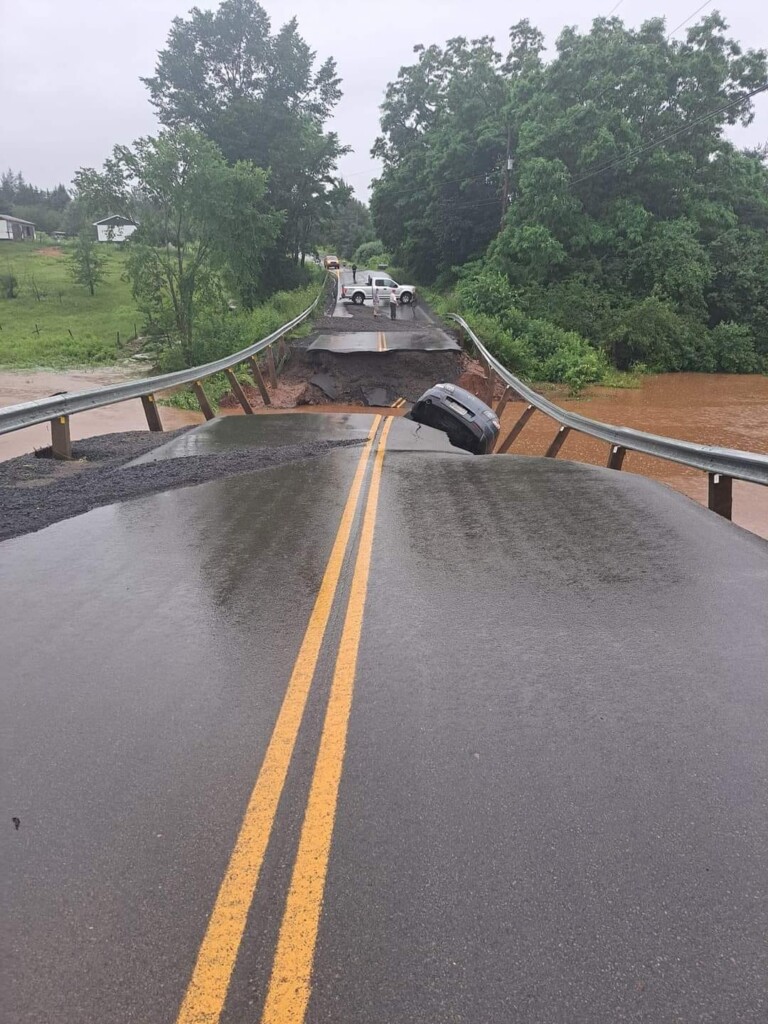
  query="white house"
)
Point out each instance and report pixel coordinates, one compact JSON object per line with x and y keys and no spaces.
{"x":14,"y":229}
{"x":114,"y":229}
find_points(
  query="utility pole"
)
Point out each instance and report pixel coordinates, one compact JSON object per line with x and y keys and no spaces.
{"x":507,"y":169}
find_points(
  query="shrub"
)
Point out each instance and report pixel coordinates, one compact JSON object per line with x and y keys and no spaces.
{"x":652,"y":332}
{"x":371,"y":253}
{"x":734,"y":348}
{"x":9,"y":285}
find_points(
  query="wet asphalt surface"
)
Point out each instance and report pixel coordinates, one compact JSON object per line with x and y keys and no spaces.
{"x":554,"y":802}
{"x":381,"y":342}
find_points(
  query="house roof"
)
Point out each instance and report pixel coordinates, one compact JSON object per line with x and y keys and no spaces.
{"x":115,"y":218}
{"x":16,"y":220}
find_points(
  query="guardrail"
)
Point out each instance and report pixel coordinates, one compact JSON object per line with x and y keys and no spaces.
{"x":723,"y":465}
{"x":57,"y":409}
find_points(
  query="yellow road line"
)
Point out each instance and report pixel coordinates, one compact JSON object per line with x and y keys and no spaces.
{"x":207,"y":990}
{"x":289,"y":986}
{"x":383,"y":342}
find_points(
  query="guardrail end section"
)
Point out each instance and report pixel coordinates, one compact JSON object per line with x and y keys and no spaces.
{"x":152,"y":413}
{"x":61,"y":442}
{"x":721,"y":494}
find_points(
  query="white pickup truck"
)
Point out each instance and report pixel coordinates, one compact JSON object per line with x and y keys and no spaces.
{"x":359,"y":293}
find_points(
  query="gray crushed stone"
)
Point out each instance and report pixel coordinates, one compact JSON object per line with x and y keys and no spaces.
{"x":35,"y":492}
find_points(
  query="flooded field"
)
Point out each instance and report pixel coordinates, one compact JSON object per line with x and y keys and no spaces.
{"x":27,"y":385}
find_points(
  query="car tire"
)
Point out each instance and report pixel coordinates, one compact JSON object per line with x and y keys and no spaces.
{"x":358,"y":298}
{"x":406,"y":298}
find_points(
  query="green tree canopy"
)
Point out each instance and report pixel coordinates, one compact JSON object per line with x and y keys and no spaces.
{"x":622,"y":187}
{"x":260,"y":97}
{"x":200,"y":221}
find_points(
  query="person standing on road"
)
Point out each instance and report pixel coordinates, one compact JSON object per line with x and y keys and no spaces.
{"x":393,"y":303}
{"x":375,"y":302}
{"x":413,"y":306}
{"x":354,"y":273}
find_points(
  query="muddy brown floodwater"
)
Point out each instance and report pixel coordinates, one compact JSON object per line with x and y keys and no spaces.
{"x":27,"y":385}
{"x":721,"y":409}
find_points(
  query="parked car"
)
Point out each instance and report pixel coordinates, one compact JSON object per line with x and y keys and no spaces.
{"x":359,"y":293}
{"x":331,"y":262}
{"x":469,"y":423}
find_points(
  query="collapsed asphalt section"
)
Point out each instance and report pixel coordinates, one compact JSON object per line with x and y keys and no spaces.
{"x":37,"y":492}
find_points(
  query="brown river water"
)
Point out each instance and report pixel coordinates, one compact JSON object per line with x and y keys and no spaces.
{"x":723,"y":409}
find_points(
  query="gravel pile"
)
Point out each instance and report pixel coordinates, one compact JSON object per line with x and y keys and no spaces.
{"x":36,"y":492}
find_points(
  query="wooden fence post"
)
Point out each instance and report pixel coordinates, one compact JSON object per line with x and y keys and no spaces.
{"x":238,"y":392}
{"x":152,"y":412}
{"x":721,"y":494}
{"x":557,"y":444}
{"x":61,"y":442}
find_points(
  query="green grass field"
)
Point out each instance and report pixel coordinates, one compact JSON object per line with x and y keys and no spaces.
{"x":54,"y":322}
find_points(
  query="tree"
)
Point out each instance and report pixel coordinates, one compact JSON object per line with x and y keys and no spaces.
{"x":259,"y":97}
{"x":201,"y":222}
{"x":44,"y":208}
{"x":350,"y":227}
{"x":623,"y":190}
{"x":86,"y":262}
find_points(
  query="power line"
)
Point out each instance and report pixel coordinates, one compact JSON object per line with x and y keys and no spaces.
{"x":705,"y":4}
{"x":639,"y":150}
{"x":487,"y":174}
{"x":665,"y":138}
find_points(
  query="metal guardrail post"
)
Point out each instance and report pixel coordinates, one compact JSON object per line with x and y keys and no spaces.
{"x":202,"y":399}
{"x":61,"y":442}
{"x":720,"y":497}
{"x":506,"y":444}
{"x":259,"y":379}
{"x":152,"y":413}
{"x":238,"y":392}
{"x":616,"y":458}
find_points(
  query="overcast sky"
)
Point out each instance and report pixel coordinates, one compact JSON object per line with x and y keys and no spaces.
{"x":69,"y":69}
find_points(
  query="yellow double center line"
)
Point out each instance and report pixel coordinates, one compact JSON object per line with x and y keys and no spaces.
{"x":289,"y":986}
{"x":382,"y":341}
{"x":208,"y":986}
